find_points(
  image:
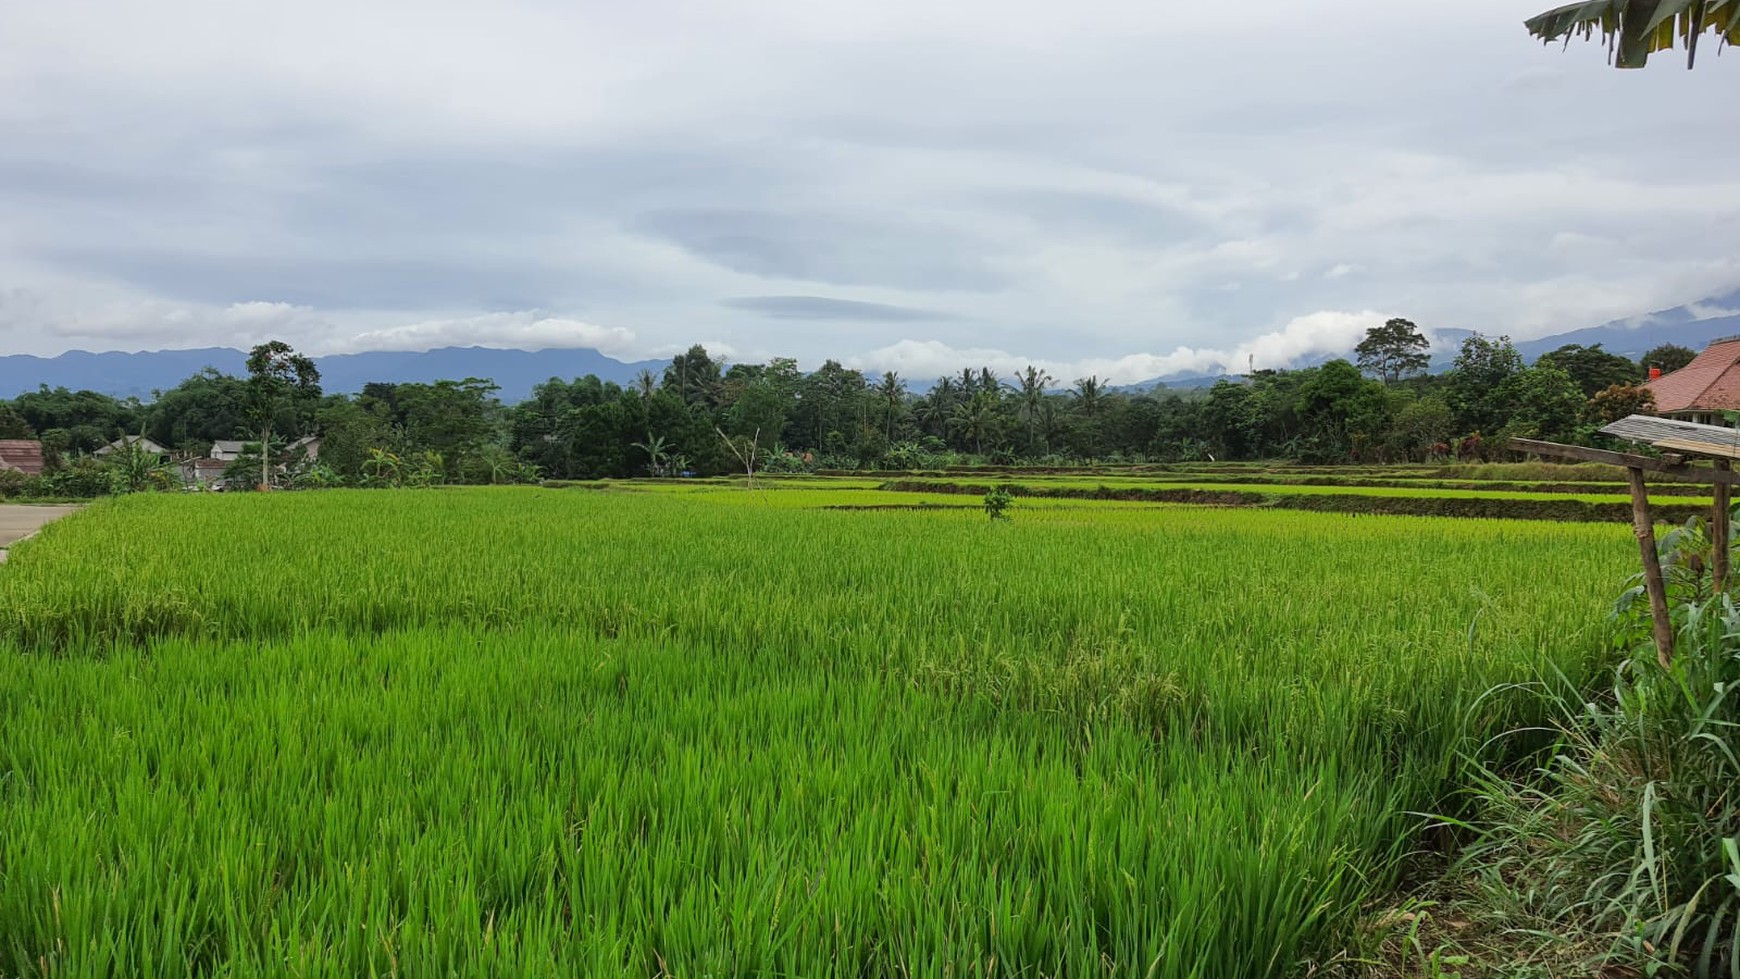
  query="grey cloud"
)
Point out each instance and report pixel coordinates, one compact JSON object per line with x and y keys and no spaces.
{"x":820,"y":247}
{"x":1075,"y":212}
{"x":823,"y":308}
{"x":1093,"y":181}
{"x":337,"y":282}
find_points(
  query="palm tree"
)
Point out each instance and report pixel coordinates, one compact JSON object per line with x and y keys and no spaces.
{"x":976,"y":419}
{"x":1088,"y":391}
{"x":1032,"y":382}
{"x":1635,"y":29}
{"x":935,"y":409}
{"x":892,"y":391}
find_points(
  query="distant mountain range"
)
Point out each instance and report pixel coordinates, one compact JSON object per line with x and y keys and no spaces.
{"x":516,"y":372}
{"x":139,"y":374}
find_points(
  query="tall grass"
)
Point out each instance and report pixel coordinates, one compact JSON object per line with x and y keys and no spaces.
{"x":514,"y":731}
{"x":1625,"y":849}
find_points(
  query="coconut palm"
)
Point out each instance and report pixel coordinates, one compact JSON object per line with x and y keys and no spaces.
{"x":892,"y":392}
{"x":1032,"y":382}
{"x":1635,"y":29}
{"x":936,"y":408}
{"x":1088,"y":393}
{"x":976,"y":419}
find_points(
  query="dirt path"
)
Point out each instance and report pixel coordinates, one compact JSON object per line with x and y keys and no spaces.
{"x":19,"y":522}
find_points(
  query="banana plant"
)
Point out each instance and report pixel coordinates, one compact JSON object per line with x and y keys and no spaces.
{"x":1635,"y":29}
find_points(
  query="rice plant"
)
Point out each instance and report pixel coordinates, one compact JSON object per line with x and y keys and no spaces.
{"x":512,"y":731}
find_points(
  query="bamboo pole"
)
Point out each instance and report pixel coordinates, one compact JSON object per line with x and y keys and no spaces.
{"x":1644,"y":528}
{"x":1719,"y":529}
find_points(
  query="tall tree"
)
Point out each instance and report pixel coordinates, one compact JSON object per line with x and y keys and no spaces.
{"x":1476,"y":382}
{"x":1669,"y":357}
{"x":278,"y":378}
{"x":1591,"y":367}
{"x":1088,"y":393}
{"x":976,"y":419}
{"x":1032,"y":382}
{"x":1541,"y":402}
{"x":892,"y":394}
{"x":1635,"y":29}
{"x":1393,"y":351}
{"x":695,"y":376}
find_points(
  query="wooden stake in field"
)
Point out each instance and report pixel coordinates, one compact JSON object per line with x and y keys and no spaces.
{"x":1644,"y":528}
{"x":1719,"y":529}
{"x":747,"y":459}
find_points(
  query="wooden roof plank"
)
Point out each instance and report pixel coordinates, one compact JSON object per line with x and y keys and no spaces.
{"x":1648,"y":428}
{"x":1582,"y":453}
{"x":1731,"y":451}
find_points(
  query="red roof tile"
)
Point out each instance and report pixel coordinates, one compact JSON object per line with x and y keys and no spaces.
{"x":1711,"y":382}
{"x":24,"y":455}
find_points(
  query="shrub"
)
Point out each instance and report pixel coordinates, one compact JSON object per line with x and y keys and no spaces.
{"x":998,"y":500}
{"x":13,"y":483}
{"x":84,"y":478}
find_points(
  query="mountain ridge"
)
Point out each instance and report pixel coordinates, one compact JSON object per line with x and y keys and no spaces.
{"x":137,"y":375}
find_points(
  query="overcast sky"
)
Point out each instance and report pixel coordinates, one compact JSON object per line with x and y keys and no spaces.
{"x":1132,"y":188}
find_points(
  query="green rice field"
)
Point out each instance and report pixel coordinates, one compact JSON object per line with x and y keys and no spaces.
{"x":690,"y":729}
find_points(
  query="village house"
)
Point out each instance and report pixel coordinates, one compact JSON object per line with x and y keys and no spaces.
{"x":1703,"y":389}
{"x":21,"y":455}
{"x":208,"y":472}
{"x":140,"y":441}
{"x":229,"y":450}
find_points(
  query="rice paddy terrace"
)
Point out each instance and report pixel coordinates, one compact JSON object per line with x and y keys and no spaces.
{"x":683,"y":728}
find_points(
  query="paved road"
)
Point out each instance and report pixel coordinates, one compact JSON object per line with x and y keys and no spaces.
{"x":17,"y":522}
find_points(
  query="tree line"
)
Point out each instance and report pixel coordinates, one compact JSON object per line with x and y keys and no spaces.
{"x":704,"y":416}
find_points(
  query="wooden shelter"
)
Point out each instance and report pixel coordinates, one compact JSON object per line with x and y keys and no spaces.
{"x":1676,"y":441}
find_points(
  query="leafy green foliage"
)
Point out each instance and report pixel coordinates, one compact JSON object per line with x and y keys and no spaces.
{"x":1480,"y":380}
{"x":835,"y":418}
{"x":998,"y":500}
{"x":1592,"y":368}
{"x":1617,"y":402}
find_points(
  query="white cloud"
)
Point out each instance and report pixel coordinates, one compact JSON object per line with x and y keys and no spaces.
{"x":524,"y":330}
{"x":1320,"y":334}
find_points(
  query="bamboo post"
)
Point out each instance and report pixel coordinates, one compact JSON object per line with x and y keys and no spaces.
{"x":1644,"y":528}
{"x":1719,"y":530}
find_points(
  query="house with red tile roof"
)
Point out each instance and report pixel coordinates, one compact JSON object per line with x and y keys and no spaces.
{"x":24,"y":455}
{"x":1704,"y":388}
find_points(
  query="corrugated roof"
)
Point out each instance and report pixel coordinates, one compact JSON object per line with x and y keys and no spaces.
{"x":1711,"y":382}
{"x":24,"y":455}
